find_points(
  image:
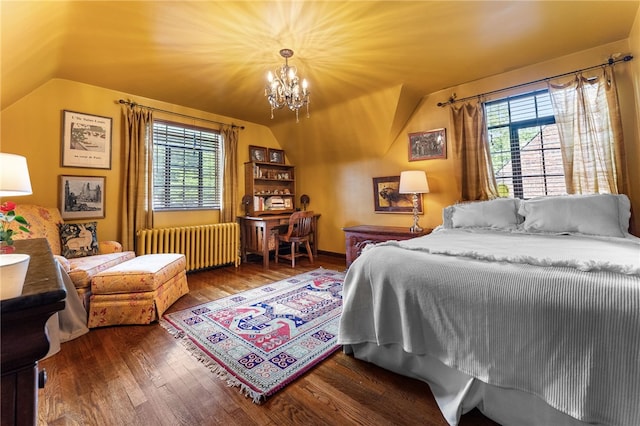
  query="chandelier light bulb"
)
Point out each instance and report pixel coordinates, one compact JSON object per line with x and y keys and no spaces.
{"x":283,"y":88}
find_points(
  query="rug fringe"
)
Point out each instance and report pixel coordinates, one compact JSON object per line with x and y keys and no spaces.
{"x":217,"y":369}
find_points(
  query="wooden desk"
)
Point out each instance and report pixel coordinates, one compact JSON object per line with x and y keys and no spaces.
{"x":256,"y":235}
{"x":357,"y":237}
{"x":23,"y":336}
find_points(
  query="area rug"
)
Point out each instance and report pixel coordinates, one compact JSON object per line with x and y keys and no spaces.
{"x":262,"y":339}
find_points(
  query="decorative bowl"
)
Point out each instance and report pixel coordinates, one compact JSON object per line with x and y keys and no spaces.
{"x":13,"y":271}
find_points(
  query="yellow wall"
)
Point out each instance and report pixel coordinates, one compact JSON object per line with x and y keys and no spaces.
{"x":32,"y":127}
{"x":336,"y":152}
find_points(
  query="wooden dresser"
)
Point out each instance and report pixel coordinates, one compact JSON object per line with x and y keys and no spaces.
{"x":357,"y":237}
{"x":23,"y":336}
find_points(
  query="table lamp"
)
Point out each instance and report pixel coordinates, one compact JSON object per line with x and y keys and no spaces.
{"x":414,"y":182}
{"x":14,"y":175}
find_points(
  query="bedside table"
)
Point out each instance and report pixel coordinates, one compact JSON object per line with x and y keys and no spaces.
{"x":359,"y":236}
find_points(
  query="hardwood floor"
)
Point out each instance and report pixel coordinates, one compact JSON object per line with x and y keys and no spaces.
{"x":140,"y":375}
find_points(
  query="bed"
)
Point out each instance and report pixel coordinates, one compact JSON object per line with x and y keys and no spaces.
{"x":528,"y":310}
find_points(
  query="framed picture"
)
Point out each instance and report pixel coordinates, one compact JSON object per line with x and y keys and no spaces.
{"x":387,"y":199}
{"x":276,"y":156}
{"x":428,"y":145}
{"x":86,"y":140}
{"x":82,"y":197}
{"x":257,"y":153}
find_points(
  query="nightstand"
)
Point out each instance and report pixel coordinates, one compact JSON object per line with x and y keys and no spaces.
{"x":357,"y":237}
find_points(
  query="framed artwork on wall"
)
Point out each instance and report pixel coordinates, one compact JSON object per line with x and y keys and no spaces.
{"x":276,"y":156}
{"x":428,"y":145}
{"x":82,"y":197}
{"x":257,"y":153}
{"x":387,"y":199}
{"x":86,"y":140}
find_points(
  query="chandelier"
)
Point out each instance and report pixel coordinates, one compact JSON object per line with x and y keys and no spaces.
{"x":284,"y":87}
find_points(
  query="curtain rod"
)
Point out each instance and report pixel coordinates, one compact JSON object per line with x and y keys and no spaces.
{"x":122,"y":101}
{"x":452,"y":100}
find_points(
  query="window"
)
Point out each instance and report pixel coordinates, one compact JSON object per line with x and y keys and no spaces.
{"x":525,"y":146}
{"x":186,"y":167}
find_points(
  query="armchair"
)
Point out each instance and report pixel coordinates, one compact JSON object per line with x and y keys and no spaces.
{"x":45,"y":223}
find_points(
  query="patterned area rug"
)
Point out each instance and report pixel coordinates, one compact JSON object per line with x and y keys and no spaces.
{"x":262,"y":339}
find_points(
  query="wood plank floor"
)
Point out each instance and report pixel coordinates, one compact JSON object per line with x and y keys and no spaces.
{"x":140,"y":375}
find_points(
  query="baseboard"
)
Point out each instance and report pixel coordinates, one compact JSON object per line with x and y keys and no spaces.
{"x":333,"y":254}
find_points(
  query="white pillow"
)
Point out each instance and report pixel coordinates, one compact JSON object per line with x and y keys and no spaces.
{"x":597,"y":214}
{"x":499,"y":213}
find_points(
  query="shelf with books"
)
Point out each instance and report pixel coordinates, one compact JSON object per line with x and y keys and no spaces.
{"x":272,"y":187}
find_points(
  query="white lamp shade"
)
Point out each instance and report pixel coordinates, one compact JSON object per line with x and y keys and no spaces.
{"x":14,"y":175}
{"x":413,"y":182}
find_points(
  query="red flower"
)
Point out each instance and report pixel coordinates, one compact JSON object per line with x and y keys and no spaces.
{"x":8,"y":215}
{"x":7,"y":206}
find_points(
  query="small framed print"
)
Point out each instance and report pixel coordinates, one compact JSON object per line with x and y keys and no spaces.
{"x":276,"y":156}
{"x":86,"y":140}
{"x":288,"y":203}
{"x":387,"y":199}
{"x":82,"y":197}
{"x":428,"y":145}
{"x":257,"y":154}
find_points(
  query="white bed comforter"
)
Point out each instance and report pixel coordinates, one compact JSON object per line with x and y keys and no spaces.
{"x":555,"y":316}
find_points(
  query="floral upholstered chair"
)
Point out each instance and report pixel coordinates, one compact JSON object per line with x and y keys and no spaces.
{"x":75,"y":246}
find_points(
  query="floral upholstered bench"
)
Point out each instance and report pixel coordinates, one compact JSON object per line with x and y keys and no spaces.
{"x":137,"y":291}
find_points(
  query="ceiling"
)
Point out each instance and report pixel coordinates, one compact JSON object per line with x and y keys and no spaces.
{"x":214,"y":56}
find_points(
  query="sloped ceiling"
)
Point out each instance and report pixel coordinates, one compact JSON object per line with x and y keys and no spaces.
{"x":214,"y":56}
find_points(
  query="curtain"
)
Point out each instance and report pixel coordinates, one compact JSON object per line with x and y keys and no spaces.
{"x":230,"y":174}
{"x":588,"y":118}
{"x":472,"y":156}
{"x":137,"y":210}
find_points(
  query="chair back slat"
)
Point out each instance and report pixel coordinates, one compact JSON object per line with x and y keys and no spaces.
{"x":300,"y":224}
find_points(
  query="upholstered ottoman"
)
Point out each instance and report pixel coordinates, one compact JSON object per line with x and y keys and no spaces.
{"x":137,"y":291}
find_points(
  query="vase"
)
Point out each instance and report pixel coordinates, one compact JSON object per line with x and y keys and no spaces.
{"x":6,"y":248}
{"x":13,"y":271}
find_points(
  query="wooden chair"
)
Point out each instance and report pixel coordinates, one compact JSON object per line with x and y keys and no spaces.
{"x":299,"y":231}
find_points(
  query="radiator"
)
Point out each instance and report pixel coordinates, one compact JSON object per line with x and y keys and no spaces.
{"x":204,"y":246}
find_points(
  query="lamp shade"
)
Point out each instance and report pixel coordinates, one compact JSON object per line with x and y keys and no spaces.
{"x":413,"y":182}
{"x":14,"y":175}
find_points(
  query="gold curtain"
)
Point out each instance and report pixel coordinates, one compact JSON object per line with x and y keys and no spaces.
{"x":588,"y":116}
{"x":474,"y":170}
{"x":230,"y":175}
{"x":137,"y":211}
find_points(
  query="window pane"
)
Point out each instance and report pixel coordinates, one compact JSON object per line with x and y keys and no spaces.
{"x":525,"y":148}
{"x":186,"y":167}
{"x":536,"y":186}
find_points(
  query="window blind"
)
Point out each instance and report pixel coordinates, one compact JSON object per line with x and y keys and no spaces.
{"x":186,"y":167}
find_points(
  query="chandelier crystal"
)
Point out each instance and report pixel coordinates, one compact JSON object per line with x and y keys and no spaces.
{"x":284,"y":88}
